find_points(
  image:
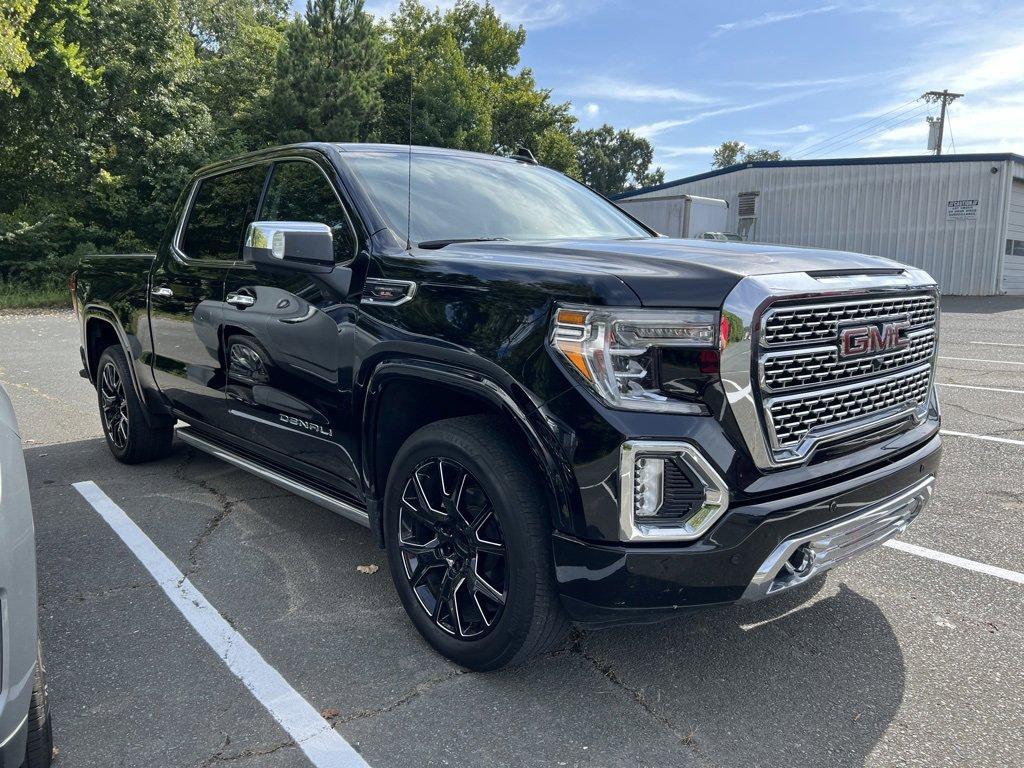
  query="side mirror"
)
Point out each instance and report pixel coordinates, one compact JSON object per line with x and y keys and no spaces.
{"x":298,"y":246}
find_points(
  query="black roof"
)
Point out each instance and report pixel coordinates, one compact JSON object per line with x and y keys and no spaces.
{"x":900,"y":160}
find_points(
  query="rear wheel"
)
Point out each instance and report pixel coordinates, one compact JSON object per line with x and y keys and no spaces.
{"x":129,"y":436}
{"x":39,"y":751}
{"x":468,"y":542}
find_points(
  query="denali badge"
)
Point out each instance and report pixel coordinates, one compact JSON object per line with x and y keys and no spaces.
{"x":869,"y":339}
{"x":308,"y":425}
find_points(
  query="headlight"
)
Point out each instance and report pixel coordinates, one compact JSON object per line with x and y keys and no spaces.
{"x":615,"y":350}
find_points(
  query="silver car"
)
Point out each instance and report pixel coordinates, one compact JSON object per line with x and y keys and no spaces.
{"x":25,"y":737}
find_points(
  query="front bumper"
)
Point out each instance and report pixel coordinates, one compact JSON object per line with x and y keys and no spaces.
{"x":742,"y":556}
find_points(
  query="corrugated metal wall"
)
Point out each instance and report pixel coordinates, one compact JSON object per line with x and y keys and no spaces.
{"x":1013,"y":260}
{"x":893,"y":210}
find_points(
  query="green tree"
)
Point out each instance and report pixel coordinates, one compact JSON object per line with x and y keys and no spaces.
{"x":14,"y":55}
{"x":614,"y":161}
{"x":328,"y":75}
{"x":732,"y":152}
{"x":430,"y":87}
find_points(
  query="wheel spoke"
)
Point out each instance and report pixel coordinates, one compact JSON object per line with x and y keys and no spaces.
{"x":453,"y":548}
{"x":482,"y":587}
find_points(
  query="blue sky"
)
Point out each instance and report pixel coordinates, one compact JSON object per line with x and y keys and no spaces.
{"x":780,"y":75}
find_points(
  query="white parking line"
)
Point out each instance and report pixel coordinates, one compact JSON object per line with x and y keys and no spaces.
{"x":989,"y":438}
{"x":959,"y":562}
{"x":980,"y":360}
{"x":986,"y":389}
{"x":995,"y":344}
{"x":324,"y":746}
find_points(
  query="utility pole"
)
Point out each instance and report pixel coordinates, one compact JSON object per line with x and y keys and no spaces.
{"x":946,"y":98}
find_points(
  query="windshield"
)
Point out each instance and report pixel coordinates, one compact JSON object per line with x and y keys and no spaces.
{"x":461,"y":197}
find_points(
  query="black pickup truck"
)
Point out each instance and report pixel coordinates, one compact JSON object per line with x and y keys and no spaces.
{"x":544,"y":411}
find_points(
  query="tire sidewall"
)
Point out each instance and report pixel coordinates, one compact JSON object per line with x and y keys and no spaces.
{"x":115,"y":356}
{"x":500,"y":644}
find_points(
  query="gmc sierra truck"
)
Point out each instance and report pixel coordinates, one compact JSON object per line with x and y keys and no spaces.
{"x":546,"y":412}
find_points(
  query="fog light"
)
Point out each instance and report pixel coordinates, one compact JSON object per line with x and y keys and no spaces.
{"x":648,"y":486}
{"x":668,"y":492}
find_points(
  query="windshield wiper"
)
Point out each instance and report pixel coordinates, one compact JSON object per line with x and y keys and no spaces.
{"x":436,"y":244}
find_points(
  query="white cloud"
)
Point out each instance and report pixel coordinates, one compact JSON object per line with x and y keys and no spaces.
{"x":771,"y":17}
{"x":591,"y":109}
{"x":614,"y":89}
{"x":793,"y":129}
{"x":769,"y":85}
{"x":706,"y":149}
{"x":653,"y":129}
{"x":532,"y":14}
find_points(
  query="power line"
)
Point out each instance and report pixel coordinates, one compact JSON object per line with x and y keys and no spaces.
{"x":856,"y":128}
{"x":949,"y":121}
{"x":871,"y":130}
{"x":887,"y":126}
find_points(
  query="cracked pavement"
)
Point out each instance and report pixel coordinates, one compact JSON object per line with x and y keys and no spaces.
{"x":892,"y":661}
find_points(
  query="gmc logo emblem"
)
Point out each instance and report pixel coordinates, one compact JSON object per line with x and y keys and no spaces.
{"x":870,"y":339}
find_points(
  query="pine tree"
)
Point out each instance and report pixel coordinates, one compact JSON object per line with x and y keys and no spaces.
{"x":328,"y":75}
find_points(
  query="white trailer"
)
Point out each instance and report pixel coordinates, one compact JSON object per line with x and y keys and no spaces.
{"x":679,"y":215}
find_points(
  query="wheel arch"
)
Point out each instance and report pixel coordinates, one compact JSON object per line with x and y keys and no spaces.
{"x":388,"y":421}
{"x":101,"y":329}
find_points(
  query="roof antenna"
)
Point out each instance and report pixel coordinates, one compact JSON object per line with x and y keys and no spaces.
{"x":524,"y":154}
{"x":408,"y":219}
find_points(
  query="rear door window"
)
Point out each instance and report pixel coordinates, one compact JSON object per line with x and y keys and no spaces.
{"x":299,"y":191}
{"x":222,"y":209}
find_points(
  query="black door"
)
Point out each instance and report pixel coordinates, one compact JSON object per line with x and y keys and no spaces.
{"x":287,"y":340}
{"x":187,"y":292}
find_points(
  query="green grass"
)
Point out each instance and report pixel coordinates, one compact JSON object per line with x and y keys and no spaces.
{"x":13,"y":296}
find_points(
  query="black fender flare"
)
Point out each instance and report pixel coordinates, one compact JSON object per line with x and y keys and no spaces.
{"x":543,"y":436}
{"x":106,"y":315}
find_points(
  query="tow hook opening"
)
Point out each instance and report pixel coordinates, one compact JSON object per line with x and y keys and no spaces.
{"x":801,"y":562}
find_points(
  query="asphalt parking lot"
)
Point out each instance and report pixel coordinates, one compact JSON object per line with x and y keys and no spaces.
{"x":895,"y":659}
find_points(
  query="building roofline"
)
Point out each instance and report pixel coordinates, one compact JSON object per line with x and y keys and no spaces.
{"x":897,"y":160}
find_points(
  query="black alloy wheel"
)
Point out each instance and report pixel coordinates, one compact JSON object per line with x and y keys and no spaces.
{"x":468,"y":536}
{"x":114,"y":405}
{"x":453,"y":549}
{"x":133,"y":434}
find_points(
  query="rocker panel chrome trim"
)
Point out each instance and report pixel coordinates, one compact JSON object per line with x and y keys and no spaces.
{"x":299,"y":489}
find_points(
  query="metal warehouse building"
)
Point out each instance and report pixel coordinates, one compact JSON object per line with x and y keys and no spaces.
{"x":961,"y":217}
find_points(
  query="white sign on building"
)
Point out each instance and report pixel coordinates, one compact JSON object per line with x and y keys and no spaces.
{"x":959,"y":210}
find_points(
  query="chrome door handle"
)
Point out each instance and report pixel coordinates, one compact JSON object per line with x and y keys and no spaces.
{"x":240,"y":300}
{"x":162,"y":292}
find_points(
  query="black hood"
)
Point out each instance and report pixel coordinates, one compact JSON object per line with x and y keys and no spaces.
{"x":666,"y":272}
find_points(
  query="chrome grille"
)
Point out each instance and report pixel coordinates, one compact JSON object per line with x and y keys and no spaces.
{"x":790,"y":370}
{"x":793,"y":417}
{"x":810,"y":392}
{"x":821,"y":322}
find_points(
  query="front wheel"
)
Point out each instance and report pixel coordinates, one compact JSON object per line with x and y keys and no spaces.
{"x":469,"y":544}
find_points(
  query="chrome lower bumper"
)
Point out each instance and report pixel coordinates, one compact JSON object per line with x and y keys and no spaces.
{"x":803,"y":557}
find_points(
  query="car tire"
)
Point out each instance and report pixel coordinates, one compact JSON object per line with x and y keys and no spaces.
{"x":39,"y":749}
{"x":471,"y":559}
{"x":130,"y":437}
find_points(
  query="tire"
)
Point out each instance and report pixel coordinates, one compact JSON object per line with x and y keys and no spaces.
{"x":129,"y":436}
{"x":39,"y":750}
{"x":476,"y":578}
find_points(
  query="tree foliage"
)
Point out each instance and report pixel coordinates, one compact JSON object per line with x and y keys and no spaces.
{"x":732,"y":152}
{"x":106,"y":106}
{"x":613,"y":161}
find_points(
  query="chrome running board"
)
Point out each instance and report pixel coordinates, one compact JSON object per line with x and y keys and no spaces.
{"x":804,"y":556}
{"x":299,"y":489}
